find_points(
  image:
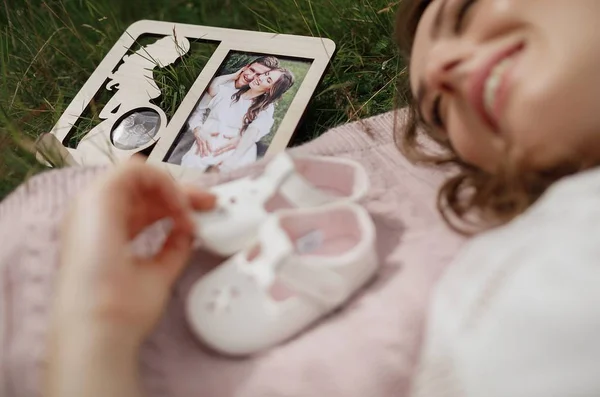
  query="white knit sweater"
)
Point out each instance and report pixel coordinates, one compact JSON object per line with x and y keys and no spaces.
{"x":518,"y":312}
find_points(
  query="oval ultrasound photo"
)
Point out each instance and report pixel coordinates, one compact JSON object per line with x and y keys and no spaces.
{"x":136,"y":129}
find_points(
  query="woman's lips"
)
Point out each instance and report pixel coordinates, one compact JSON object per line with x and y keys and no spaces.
{"x":489,"y":85}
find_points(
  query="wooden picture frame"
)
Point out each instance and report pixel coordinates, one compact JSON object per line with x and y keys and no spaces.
{"x":130,"y":76}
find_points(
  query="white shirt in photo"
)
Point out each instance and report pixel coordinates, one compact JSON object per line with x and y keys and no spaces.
{"x":223,"y":124}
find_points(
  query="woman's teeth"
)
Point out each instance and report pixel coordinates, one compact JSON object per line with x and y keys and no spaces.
{"x":493,"y":83}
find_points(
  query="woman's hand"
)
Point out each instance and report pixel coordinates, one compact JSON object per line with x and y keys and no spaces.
{"x":204,"y":148}
{"x":219,"y":80}
{"x":101,"y":281}
{"x":236,"y":75}
{"x":232,"y":145}
{"x":108,"y":299}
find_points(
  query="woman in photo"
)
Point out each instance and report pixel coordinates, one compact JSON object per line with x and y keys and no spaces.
{"x":237,"y":119}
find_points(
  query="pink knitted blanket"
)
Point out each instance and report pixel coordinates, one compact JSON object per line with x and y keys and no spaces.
{"x":367,"y":349}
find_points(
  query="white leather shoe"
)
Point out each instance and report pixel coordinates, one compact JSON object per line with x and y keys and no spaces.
{"x":306,"y":263}
{"x":287,"y":182}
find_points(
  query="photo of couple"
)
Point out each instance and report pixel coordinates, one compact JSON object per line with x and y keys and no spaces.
{"x":236,"y":117}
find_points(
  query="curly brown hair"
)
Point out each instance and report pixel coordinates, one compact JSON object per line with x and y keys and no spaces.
{"x":471,"y":199}
{"x":261,"y":102}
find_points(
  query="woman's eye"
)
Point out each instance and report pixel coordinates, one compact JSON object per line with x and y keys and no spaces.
{"x":462,"y":14}
{"x":436,"y":114}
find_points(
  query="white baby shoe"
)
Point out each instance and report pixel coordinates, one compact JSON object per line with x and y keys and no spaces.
{"x":286,"y":182}
{"x":305,"y":264}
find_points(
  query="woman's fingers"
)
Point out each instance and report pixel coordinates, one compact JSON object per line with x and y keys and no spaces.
{"x":200,"y":142}
{"x":225,"y":149}
{"x":231,"y":146}
{"x":140,"y":195}
{"x":176,"y":250}
{"x":200,"y":200}
{"x":237,"y":74}
{"x":203,"y":150}
{"x":173,"y":256}
{"x":207,"y":150}
{"x":221,"y":150}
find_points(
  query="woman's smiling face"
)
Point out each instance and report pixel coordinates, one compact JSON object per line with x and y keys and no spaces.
{"x":518,"y":75}
{"x":264,"y":82}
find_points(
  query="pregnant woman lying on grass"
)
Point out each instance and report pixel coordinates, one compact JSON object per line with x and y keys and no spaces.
{"x":506,"y":93}
{"x":509,"y":90}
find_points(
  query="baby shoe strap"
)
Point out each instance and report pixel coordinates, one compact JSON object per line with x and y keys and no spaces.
{"x":277,"y":259}
{"x":296,"y":189}
{"x":275,"y":247}
{"x":315,"y":281}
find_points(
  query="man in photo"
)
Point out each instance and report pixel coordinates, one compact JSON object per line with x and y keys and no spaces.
{"x":243,"y":78}
{"x":257,"y":67}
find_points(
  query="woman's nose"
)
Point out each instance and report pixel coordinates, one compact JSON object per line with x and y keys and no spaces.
{"x":446,"y":68}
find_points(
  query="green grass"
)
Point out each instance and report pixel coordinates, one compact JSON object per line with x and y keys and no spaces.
{"x":49,"y":48}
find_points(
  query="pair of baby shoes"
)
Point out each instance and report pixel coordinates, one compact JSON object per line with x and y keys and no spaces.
{"x":298,"y":247}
